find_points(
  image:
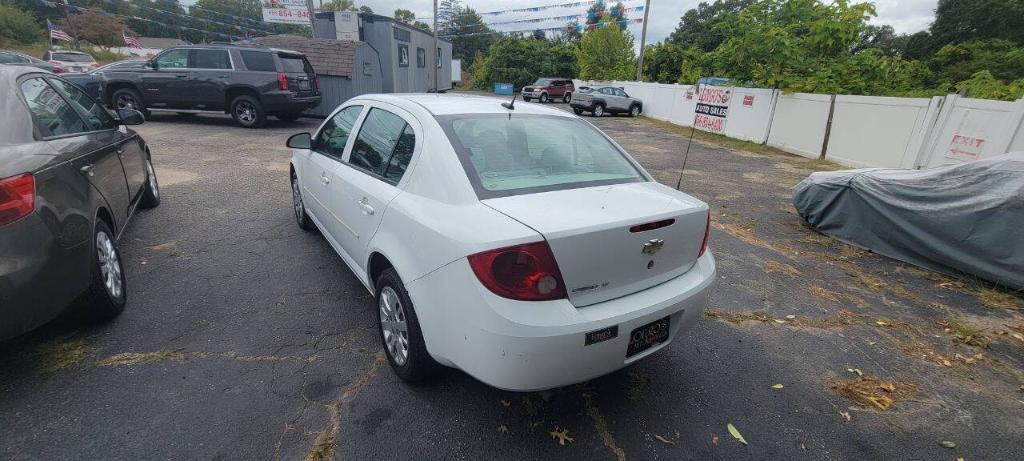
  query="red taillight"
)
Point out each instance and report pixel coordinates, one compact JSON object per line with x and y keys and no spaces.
{"x":57,"y":67}
{"x":316,"y":82}
{"x":94,"y":65}
{"x":521,"y":272}
{"x":17,"y":197}
{"x":707,"y":234}
{"x":652,"y":225}
{"x":282,"y":81}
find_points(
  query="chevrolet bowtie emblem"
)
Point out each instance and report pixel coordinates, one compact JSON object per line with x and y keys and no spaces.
{"x":653,"y":246}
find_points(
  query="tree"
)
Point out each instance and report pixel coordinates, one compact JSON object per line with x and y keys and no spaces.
{"x":984,"y":85}
{"x":96,"y":28}
{"x":958,"y":21}
{"x":521,"y":61}
{"x":1002,"y":59}
{"x":339,"y":5}
{"x":365,"y":10}
{"x":18,"y":27}
{"x":465,"y":30}
{"x":699,"y":26}
{"x":606,"y":53}
{"x":408,"y":17}
{"x":670,"y":63}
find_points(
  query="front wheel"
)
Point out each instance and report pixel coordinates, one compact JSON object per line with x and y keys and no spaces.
{"x":301,"y":217}
{"x":634,"y":111}
{"x":577,"y":111}
{"x":598,"y":110}
{"x":526,"y":99}
{"x":128,"y":98}
{"x":544,"y":98}
{"x":400,"y":330}
{"x":248,"y":112}
{"x":107,"y":294}
{"x":151,"y":193}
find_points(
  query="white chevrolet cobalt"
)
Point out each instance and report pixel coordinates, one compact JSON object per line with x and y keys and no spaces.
{"x":520,"y":245}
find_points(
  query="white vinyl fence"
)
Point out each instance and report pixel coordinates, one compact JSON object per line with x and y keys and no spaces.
{"x":857,"y":131}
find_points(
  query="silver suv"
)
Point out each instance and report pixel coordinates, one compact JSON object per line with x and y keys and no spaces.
{"x":605,"y":99}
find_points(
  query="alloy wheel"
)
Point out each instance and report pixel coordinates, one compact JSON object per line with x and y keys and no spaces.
{"x":151,"y":178}
{"x":246,"y":112}
{"x":297,"y":200}
{"x":598,"y":111}
{"x":126,"y":101}
{"x":635,"y":111}
{"x":110,"y":265}
{"x":393,"y":325}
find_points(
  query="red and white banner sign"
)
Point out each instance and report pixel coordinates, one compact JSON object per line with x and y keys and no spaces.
{"x":712,"y":108}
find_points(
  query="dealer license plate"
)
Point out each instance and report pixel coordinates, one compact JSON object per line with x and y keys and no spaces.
{"x":647,"y":336}
{"x":303,"y":84}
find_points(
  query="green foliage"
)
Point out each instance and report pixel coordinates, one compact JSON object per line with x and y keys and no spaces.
{"x":984,"y":85}
{"x":606,"y":53}
{"x":670,"y":63}
{"x":699,"y":27}
{"x":1003,"y":59}
{"x":521,"y":61}
{"x":958,"y":21}
{"x":464,"y":29}
{"x":19,"y":27}
{"x":408,"y":17}
{"x":339,"y":5}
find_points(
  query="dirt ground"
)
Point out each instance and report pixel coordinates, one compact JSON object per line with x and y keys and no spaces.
{"x":247,"y":338}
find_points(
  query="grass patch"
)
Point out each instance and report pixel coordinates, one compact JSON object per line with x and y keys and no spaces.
{"x":967,"y":334}
{"x":57,"y":356}
{"x":781,"y":268}
{"x":993,"y":297}
{"x":716,"y":139}
{"x":873,"y":392}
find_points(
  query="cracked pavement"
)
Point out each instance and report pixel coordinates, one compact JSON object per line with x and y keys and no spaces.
{"x":247,"y":338}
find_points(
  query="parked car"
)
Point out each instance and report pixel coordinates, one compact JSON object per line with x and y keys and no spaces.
{"x":520,"y":245}
{"x":70,"y":61}
{"x":605,"y":99}
{"x":18,"y":59}
{"x":71,"y":177}
{"x":549,"y":89}
{"x":90,"y":81}
{"x":248,"y":82}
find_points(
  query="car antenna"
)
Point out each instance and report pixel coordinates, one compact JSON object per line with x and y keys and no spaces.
{"x":510,"y":105}
{"x":693,"y":126}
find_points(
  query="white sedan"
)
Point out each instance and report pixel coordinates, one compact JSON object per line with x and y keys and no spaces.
{"x":522,"y":246}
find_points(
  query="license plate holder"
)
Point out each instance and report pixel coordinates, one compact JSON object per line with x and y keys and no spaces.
{"x":647,"y":336}
{"x":303,"y":84}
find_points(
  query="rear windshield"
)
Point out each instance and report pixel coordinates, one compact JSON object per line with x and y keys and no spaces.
{"x":293,"y":64}
{"x":522,"y":154}
{"x":71,"y":57}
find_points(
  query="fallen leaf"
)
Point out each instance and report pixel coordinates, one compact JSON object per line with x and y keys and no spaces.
{"x":664,"y":440}
{"x":855,"y":370}
{"x":881,"y":323}
{"x":947,"y":363}
{"x":777,"y":386}
{"x":505,"y":403}
{"x":780,"y":321}
{"x":735,"y":433}
{"x":880,"y":401}
{"x":791,"y":316}
{"x":503,"y":429}
{"x":1018,"y":336}
{"x":947,"y":444}
{"x":845,"y":415}
{"x":871,"y":343}
{"x":714,"y":440}
{"x":561,"y":435}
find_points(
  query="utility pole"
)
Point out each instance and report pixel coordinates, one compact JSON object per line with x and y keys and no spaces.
{"x":312,"y":17}
{"x":643,"y":43}
{"x":438,"y":54}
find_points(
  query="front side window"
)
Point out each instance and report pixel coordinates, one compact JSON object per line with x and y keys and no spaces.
{"x":514,"y":155}
{"x":421,"y":57}
{"x":210,"y":59}
{"x":384,"y":145}
{"x":619,"y":92}
{"x":96,"y":117}
{"x":333,"y":137}
{"x":53,"y":116}
{"x":174,"y":59}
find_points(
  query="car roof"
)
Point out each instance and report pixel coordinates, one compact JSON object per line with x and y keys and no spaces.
{"x":68,"y":52}
{"x":450,"y":104}
{"x":9,"y":73}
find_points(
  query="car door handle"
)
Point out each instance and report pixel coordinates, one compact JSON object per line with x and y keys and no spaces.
{"x":87,"y":169}
{"x":325,"y":180}
{"x":365,"y":205}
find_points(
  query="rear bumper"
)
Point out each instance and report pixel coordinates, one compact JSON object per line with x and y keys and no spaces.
{"x":581,"y":106}
{"x":38,"y":275}
{"x":528,"y":346}
{"x":286,"y":101}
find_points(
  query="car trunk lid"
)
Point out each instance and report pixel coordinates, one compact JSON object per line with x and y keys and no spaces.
{"x":594,"y":237}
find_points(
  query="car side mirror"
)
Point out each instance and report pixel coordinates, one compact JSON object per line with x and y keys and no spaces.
{"x":300,"y":141}
{"x":130,"y":117}
{"x":152,"y":64}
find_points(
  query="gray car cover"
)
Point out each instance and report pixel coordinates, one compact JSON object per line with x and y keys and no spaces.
{"x":966,"y":218}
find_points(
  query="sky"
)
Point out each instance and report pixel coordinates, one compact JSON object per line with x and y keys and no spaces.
{"x":902,"y":15}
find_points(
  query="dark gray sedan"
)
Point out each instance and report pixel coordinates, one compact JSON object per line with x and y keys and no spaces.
{"x":71,"y":176}
{"x":20,"y":59}
{"x":90,"y":81}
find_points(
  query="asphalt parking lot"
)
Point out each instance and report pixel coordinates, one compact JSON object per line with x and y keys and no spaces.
{"x":247,"y":338}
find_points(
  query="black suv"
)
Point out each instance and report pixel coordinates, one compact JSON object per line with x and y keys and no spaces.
{"x":249,"y":82}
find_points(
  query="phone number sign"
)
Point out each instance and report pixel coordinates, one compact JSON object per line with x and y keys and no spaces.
{"x":286,"y":12}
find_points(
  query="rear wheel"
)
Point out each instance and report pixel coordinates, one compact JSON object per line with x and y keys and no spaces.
{"x":248,"y":112}
{"x":289,"y":116}
{"x":400,"y":330}
{"x":567,"y":98}
{"x":151,"y":194}
{"x":599,"y":110}
{"x":544,"y":98}
{"x":107,"y":295}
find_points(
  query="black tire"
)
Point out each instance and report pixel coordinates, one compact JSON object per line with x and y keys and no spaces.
{"x":151,"y":193}
{"x":598,"y":110}
{"x":577,"y":111}
{"x":634,"y":110}
{"x":526,"y":99}
{"x":417,"y":365}
{"x":128,"y":98}
{"x":544,"y":99}
{"x":567,"y":98}
{"x":288,"y":116}
{"x":101,"y":302}
{"x":248,"y":112}
{"x":299,"y":206}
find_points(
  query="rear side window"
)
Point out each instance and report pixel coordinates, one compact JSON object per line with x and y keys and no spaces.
{"x":210,"y":59}
{"x":259,"y":61}
{"x":52,"y":115}
{"x":293,"y":64}
{"x":333,"y":137}
{"x":384,"y":145}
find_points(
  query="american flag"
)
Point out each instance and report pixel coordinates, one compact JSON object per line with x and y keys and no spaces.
{"x":132,"y":42}
{"x":56,"y":33}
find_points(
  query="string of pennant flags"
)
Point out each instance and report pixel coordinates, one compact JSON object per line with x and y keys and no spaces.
{"x":567,"y":18}
{"x":567,"y":28}
{"x":173,"y":27}
{"x":202,"y":20}
{"x":540,"y":8}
